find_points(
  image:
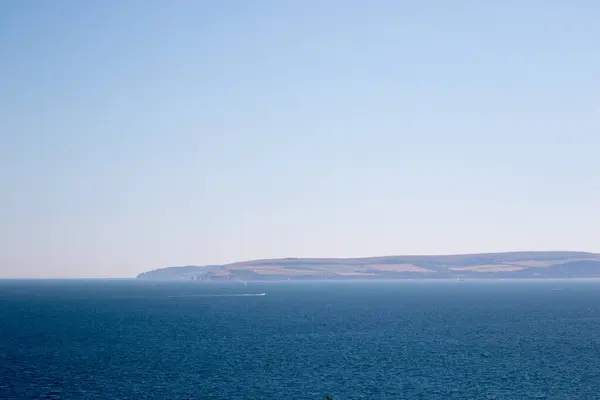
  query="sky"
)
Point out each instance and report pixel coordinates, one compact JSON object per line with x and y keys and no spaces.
{"x":141,"y":134}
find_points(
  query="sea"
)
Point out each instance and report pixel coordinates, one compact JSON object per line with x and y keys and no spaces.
{"x":133,"y":339}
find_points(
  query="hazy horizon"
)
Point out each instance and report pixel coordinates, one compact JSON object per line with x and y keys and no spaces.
{"x":317,"y":280}
{"x":139,"y":135}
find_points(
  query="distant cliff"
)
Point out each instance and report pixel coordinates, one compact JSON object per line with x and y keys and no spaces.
{"x":531,"y":264}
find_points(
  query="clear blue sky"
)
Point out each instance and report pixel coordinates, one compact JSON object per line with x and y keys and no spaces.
{"x":140,"y":134}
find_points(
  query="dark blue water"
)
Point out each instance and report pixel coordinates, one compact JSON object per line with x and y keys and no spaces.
{"x":428,"y":340}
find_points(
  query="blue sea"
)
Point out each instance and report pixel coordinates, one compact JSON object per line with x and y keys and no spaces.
{"x":127,"y":339}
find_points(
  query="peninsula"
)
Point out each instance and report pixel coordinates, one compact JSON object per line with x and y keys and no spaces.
{"x":523,"y":264}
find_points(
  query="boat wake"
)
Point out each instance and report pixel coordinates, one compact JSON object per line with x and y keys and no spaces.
{"x":220,"y":295}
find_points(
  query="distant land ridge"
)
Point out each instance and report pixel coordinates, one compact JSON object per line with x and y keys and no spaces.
{"x":521,"y":264}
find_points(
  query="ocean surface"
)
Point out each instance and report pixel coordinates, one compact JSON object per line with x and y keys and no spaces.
{"x":127,"y":339}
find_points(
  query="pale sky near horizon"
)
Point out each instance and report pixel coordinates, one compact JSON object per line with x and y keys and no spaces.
{"x":141,"y":134}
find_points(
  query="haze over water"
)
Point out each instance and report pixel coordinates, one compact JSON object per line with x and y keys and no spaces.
{"x":386,"y":340}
